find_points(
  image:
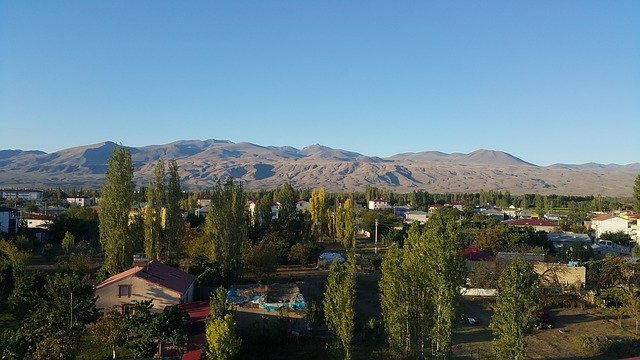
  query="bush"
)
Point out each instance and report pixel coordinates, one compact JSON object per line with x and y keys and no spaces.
{"x":304,"y":253}
{"x":615,"y":348}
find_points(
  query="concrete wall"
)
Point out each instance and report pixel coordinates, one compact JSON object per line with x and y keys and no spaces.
{"x":140,"y":290}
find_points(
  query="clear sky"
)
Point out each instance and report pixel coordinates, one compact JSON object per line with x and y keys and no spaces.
{"x":547,"y":81}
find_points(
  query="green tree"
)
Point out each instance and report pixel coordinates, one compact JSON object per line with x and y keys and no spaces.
{"x":153,"y":214}
{"x":349,"y":220}
{"x":115,"y":205}
{"x":218,"y":303}
{"x":445,"y":274}
{"x":111,"y":329}
{"x":222,"y":343}
{"x":393,"y":295}
{"x":339,"y":299}
{"x":226,"y":228}
{"x":515,"y":310}
{"x":636,"y":194}
{"x":68,"y":242}
{"x":318,"y":211}
{"x":174,"y":224}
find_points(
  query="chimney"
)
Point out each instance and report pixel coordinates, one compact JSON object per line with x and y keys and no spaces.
{"x":141,"y":260}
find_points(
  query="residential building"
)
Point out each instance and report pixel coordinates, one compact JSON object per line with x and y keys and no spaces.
{"x":495,"y":213}
{"x":569,"y":238}
{"x":8,"y":220}
{"x":536,"y":224}
{"x":411,"y":216}
{"x":36,"y":221}
{"x":146,"y":280}
{"x":611,"y":224}
{"x":378,"y":204}
{"x":79,"y":200}
{"x":23,"y":194}
{"x":203,"y":201}
{"x":459,"y":205}
{"x":302,"y":205}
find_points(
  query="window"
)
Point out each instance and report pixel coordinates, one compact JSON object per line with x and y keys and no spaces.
{"x":124,"y":290}
{"x":127,"y":309}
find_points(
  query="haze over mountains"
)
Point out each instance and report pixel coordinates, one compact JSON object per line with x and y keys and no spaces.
{"x":202,"y":163}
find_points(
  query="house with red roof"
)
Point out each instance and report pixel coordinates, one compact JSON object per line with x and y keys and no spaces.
{"x":146,"y":280}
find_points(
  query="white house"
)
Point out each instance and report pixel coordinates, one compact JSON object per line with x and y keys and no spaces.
{"x":378,"y":204}
{"x":302,"y":205}
{"x":611,"y":224}
{"x":36,"y":221}
{"x":79,"y":200}
{"x":202,"y":202}
{"x":147,"y":280}
{"x":411,"y":216}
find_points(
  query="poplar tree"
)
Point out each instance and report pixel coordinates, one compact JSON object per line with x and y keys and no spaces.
{"x":153,"y":232}
{"x":515,"y":310}
{"x":393,"y":294}
{"x":115,"y":204}
{"x":174,"y":224}
{"x":446,"y":274}
{"x":417,"y":301}
{"x":317,"y":209}
{"x":226,"y":228}
{"x":636,"y":194}
{"x":349,"y":220}
{"x":339,"y":299}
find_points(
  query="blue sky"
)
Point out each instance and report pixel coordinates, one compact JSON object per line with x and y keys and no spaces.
{"x":547,"y":81}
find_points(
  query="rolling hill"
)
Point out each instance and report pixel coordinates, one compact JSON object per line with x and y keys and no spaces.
{"x":202,"y":163}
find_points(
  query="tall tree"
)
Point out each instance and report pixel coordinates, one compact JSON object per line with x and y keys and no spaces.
{"x":446,"y":274}
{"x":339,"y":299}
{"x":115,"y":205}
{"x":636,"y":194}
{"x":515,"y":310}
{"x":153,"y":224}
{"x":226,"y":228}
{"x":174,"y":224}
{"x":349,"y":219}
{"x":393,"y":295}
{"x":419,"y":308}
{"x":318,"y":211}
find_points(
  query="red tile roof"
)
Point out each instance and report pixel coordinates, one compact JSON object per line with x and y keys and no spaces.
{"x":157,"y":273}
{"x":602,"y":217}
{"x":198,"y":311}
{"x":474,"y":253}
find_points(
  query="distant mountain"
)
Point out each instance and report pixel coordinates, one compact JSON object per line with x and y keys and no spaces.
{"x":202,"y":163}
{"x":484,"y":157}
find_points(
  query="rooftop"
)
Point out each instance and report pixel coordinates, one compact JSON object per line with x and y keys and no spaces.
{"x":157,"y":273}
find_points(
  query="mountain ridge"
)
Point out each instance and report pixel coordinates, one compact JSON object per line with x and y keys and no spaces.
{"x":203,"y":162}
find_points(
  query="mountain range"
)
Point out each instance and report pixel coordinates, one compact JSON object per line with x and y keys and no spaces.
{"x":202,"y":163}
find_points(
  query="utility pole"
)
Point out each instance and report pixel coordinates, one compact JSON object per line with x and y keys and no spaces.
{"x":375,"y":249}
